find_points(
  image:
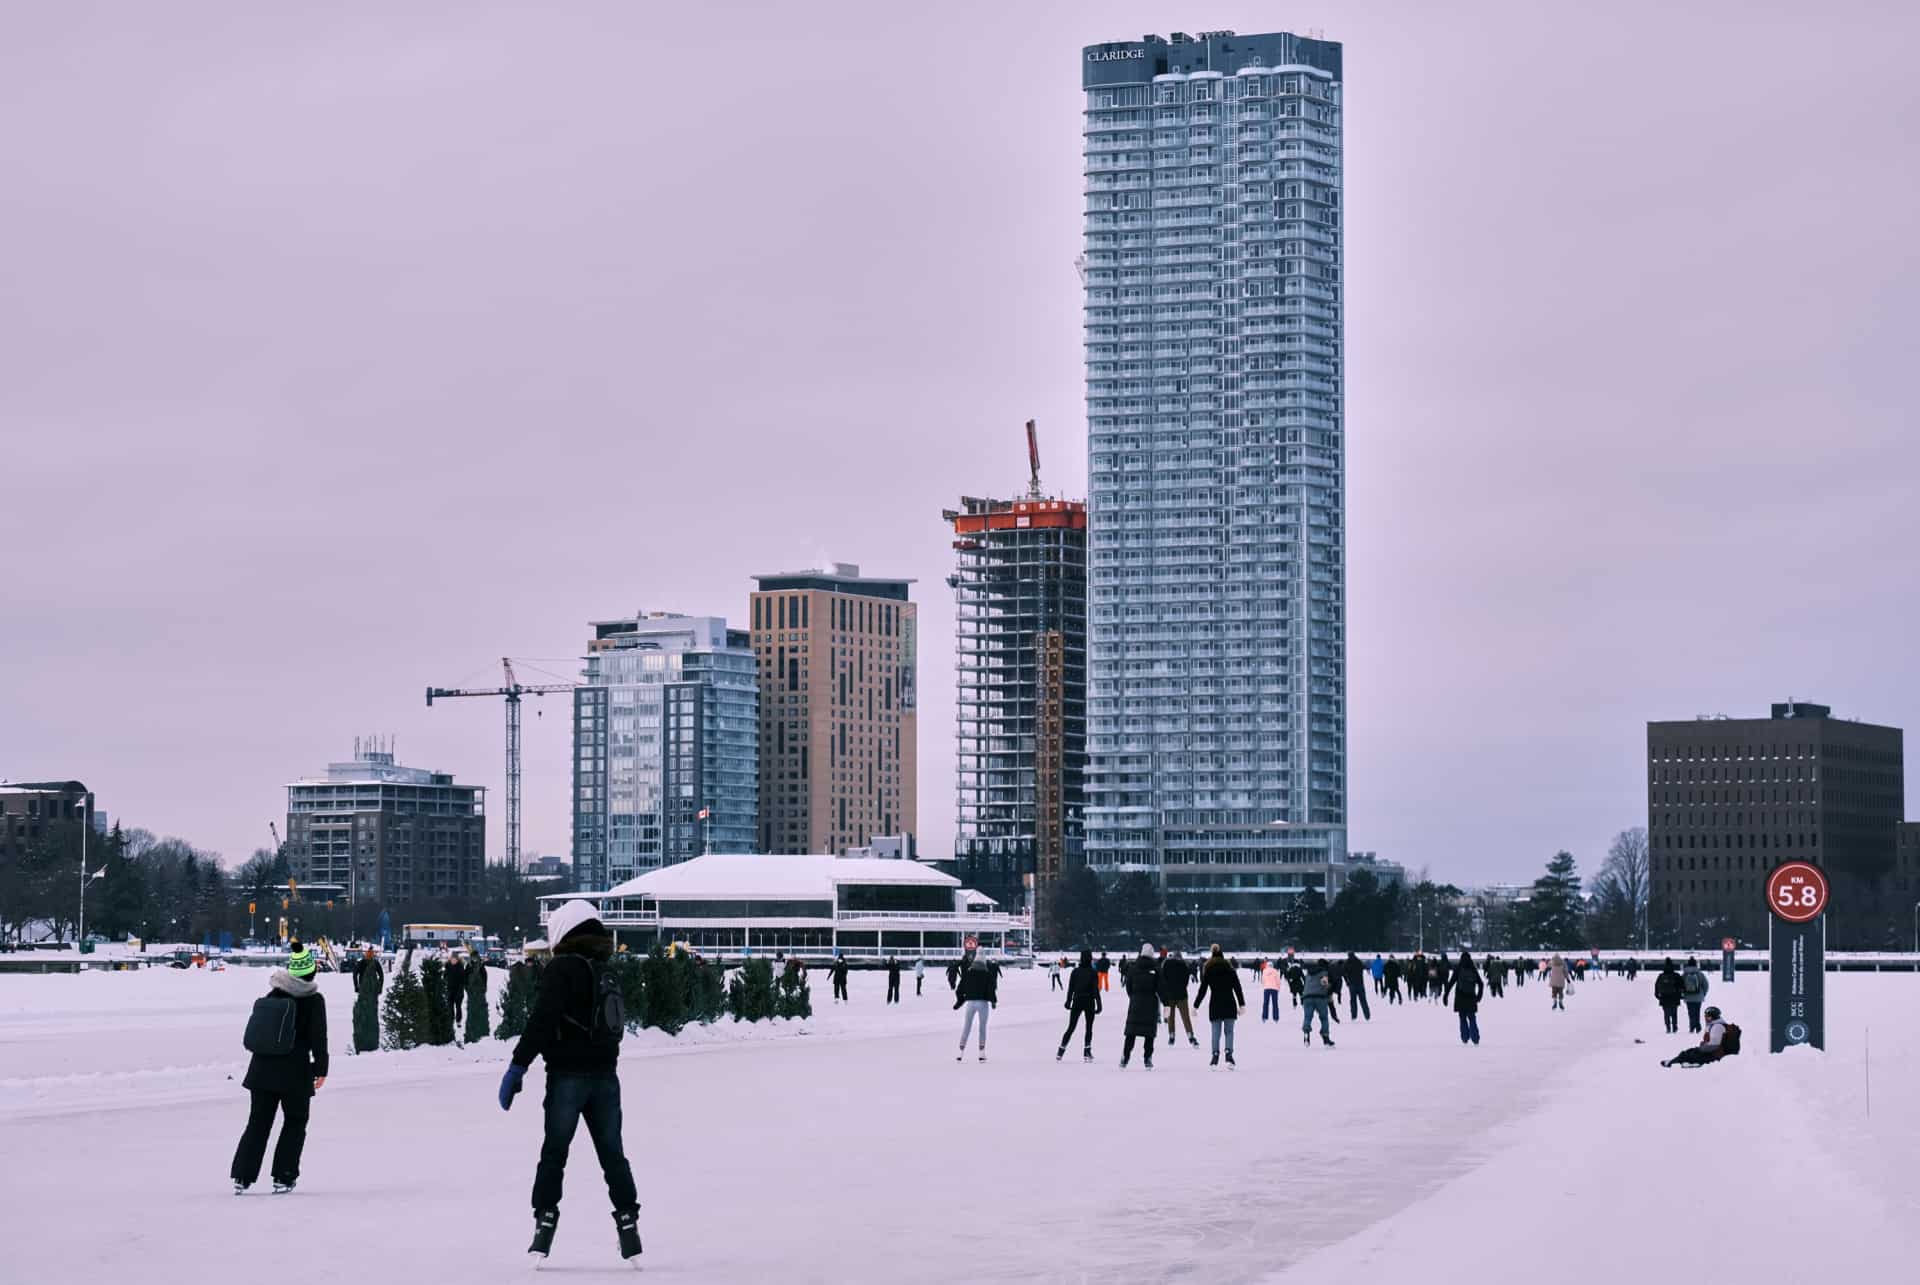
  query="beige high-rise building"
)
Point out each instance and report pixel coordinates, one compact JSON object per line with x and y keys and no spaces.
{"x":836,"y":653}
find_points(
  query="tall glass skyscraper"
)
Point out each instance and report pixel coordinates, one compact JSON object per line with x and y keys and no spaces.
{"x":1216,"y":508}
{"x":666,"y":731}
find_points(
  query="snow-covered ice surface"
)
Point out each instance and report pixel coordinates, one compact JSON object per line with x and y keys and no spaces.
{"x":854,"y":1148}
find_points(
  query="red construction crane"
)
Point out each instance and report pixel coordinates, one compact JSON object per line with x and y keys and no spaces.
{"x":513,"y":691}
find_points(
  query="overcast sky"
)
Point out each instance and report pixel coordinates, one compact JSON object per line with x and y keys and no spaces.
{"x":345,"y":349}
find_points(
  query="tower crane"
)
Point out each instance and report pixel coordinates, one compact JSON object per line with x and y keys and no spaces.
{"x":1033,"y":464}
{"x":513,"y":691}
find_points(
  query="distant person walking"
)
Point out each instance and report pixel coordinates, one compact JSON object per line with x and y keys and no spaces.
{"x":1557,"y":974}
{"x":1668,"y":989}
{"x":1315,"y":999}
{"x":979,"y":993}
{"x":287,"y":1036}
{"x":1142,"y":981}
{"x":1175,"y":973}
{"x":893,"y":980}
{"x":1496,"y":976}
{"x":919,"y":975}
{"x":1270,"y":983}
{"x":1220,"y":979}
{"x":1083,"y":1000}
{"x":1355,"y":974}
{"x":1693,"y":989}
{"x":1466,"y":988}
{"x":839,"y":975}
{"x":1393,"y":980}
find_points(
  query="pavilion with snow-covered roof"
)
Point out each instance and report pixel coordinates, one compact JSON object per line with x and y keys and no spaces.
{"x":731,"y":904}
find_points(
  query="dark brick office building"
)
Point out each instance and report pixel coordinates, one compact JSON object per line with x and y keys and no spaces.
{"x":1728,"y":799}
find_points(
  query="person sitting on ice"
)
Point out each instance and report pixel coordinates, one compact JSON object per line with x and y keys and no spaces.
{"x":1722,"y":1039}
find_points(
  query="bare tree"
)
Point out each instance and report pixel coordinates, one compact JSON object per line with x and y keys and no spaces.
{"x":1626,"y":867}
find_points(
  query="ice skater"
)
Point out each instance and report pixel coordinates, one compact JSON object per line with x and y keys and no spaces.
{"x":1083,"y":1000}
{"x":919,"y":975}
{"x":1693,"y":992}
{"x":287,"y":1035}
{"x":1557,"y":974}
{"x":1317,"y":988}
{"x":1175,"y":973}
{"x":1142,"y":982}
{"x":576,"y":1025}
{"x":1053,"y":974}
{"x":1393,"y":980}
{"x":1466,"y":988}
{"x":893,"y":980}
{"x":1220,"y":987}
{"x":839,"y":975}
{"x":1355,"y":974}
{"x":978,"y":991}
{"x":1667,"y":991}
{"x":1270,"y":983}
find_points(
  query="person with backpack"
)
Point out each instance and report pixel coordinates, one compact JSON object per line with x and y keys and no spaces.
{"x":1083,"y":1000}
{"x":1467,"y":988}
{"x":893,"y":980}
{"x":1142,"y":982}
{"x":1270,"y":983}
{"x":979,"y":991}
{"x":1721,"y":1039}
{"x":1227,"y":999}
{"x":1668,"y":988}
{"x":576,"y":1024}
{"x":287,"y":1036}
{"x":1693,"y":990}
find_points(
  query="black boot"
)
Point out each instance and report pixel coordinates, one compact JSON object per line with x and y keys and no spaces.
{"x":627,"y":1223}
{"x":1060,"y":1053}
{"x":544,"y":1221}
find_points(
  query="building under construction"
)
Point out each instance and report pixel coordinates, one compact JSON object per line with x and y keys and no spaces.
{"x":1020,"y":660}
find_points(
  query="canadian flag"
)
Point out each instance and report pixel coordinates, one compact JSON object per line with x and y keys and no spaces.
{"x":704,"y":814}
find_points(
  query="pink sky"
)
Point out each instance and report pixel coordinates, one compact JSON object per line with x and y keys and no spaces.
{"x":347,"y":349}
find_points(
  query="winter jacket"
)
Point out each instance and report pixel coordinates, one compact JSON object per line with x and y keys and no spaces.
{"x":1223,"y":984}
{"x":1557,"y":975}
{"x":1393,"y":970}
{"x":1083,"y":989}
{"x":369,"y":977}
{"x":1693,"y":986}
{"x":1317,"y":983}
{"x":979,"y":979}
{"x":1668,"y":988}
{"x":1174,"y":976}
{"x":557,"y":1028}
{"x":1143,"y":997}
{"x":1466,"y":989}
{"x":1716,"y":1032}
{"x":1296,"y":978}
{"x":1270,"y":978}
{"x":1378,"y":968}
{"x":291,"y":1075}
{"x":893,"y":971}
{"x":456,"y":977}
{"x":1354,"y":973}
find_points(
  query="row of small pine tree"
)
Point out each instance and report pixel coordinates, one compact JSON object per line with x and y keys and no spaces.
{"x":662,"y":990}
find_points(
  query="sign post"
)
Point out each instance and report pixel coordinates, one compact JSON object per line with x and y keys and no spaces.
{"x":1797,"y":897}
{"x":1727,"y":945}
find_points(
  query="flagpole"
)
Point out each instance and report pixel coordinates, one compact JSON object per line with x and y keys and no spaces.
{"x":80,"y":937}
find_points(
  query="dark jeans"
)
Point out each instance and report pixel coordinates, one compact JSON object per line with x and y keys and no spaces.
{"x":253,"y":1143}
{"x":1073,"y":1019}
{"x":916,"y":984}
{"x":1270,"y":1006}
{"x":1126,"y":1047}
{"x":571,"y":1098}
{"x":1313,"y":1006}
{"x":1469,"y":1028}
{"x":839,"y":988}
{"x":893,"y":990}
{"x":1672,"y":1012}
{"x":1696,"y":1057}
{"x":1357,"y":1002}
{"x":456,"y":996}
{"x":1693,"y":1014}
{"x":1393,"y":992}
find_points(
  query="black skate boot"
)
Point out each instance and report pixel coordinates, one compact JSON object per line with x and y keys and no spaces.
{"x":1230,"y":1061}
{"x":544,"y":1222}
{"x":283,"y":1188}
{"x":1087,"y":1056}
{"x":1215,"y":1061}
{"x":1060,"y":1053}
{"x":627,"y":1223}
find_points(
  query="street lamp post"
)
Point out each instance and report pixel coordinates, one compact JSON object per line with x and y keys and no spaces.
{"x":1421,"y":906}
{"x":80,"y":934}
{"x":1916,"y":927}
{"x":1196,"y":927}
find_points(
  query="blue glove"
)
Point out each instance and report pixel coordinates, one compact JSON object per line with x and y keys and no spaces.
{"x":510,"y":1085}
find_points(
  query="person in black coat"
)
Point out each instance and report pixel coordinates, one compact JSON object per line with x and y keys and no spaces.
{"x":1393,"y":980}
{"x":1354,"y":973}
{"x":1175,"y":973}
{"x":893,"y":980}
{"x":583,"y":1080}
{"x":1466,"y":987}
{"x":1143,"y":1005}
{"x":456,"y":985}
{"x":284,"y":1083}
{"x":1667,"y":989}
{"x":1083,"y":1000}
{"x":1220,"y":987}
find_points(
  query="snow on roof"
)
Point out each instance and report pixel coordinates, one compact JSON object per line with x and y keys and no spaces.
{"x":721,"y":875}
{"x":975,"y":898}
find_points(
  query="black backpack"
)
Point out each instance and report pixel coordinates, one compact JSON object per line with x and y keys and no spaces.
{"x":605,"y":1021}
{"x":272,"y":1026}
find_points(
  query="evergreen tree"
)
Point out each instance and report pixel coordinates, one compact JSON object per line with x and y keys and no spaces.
{"x":706,"y":990}
{"x":516,"y":1001}
{"x":666,"y":987}
{"x":401,"y":1014}
{"x":439,"y":1014}
{"x":477,"y":1005}
{"x":750,"y":994}
{"x":792,"y":997}
{"x":366,"y":1021}
{"x":633,"y":988}
{"x":1555,"y":913}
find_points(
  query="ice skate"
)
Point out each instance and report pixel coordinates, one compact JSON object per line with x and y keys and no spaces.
{"x":281,"y":1188}
{"x":1230,"y":1062}
{"x":240,"y":1188}
{"x":626,"y":1223}
{"x":1215,"y":1061}
{"x":544,"y":1222}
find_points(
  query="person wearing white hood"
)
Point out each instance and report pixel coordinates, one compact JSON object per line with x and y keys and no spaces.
{"x":287,"y":1035}
{"x":576,"y":1024}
